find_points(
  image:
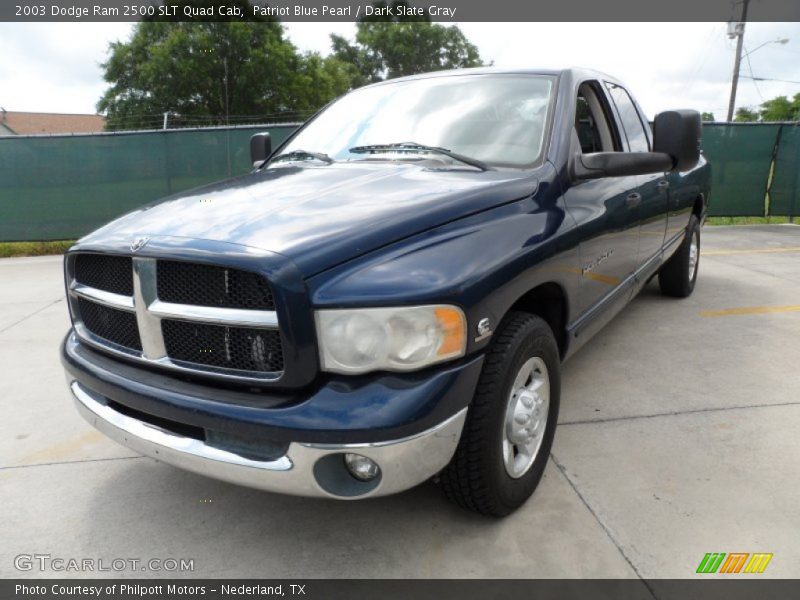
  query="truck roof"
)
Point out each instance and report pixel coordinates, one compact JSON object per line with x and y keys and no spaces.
{"x":572,"y":72}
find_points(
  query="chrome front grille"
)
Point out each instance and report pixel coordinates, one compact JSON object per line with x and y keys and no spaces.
{"x":179,"y":315}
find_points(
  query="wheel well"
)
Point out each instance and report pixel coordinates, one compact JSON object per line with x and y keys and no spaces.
{"x":697,"y":209}
{"x":549,"y":302}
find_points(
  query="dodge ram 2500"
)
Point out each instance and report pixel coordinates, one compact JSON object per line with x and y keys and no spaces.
{"x":389,"y":295}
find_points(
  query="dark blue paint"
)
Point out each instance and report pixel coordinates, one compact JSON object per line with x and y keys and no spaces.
{"x":340,"y":410}
{"x":371,"y":234}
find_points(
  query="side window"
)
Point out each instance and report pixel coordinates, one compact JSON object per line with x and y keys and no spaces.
{"x":630,"y":119}
{"x":586,"y":127}
{"x":593,"y":130}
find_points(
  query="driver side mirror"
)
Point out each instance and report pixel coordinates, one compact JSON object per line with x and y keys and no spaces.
{"x":678,"y":133}
{"x":597,"y":165}
{"x":676,"y":147}
{"x":260,"y":147}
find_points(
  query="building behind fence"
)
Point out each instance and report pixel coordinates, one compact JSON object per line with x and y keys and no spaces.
{"x":62,"y":187}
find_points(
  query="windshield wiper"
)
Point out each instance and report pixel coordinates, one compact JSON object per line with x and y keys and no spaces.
{"x":300,"y":154}
{"x":415,"y":147}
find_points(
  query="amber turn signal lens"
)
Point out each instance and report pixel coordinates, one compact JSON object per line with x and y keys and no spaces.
{"x":453,"y":327}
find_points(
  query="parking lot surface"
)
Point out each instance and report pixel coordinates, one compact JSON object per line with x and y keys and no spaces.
{"x":678,"y":436}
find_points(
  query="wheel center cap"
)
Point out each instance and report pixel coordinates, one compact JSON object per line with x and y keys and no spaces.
{"x":524,"y":421}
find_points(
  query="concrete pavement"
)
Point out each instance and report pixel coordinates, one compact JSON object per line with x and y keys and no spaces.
{"x":677,"y":437}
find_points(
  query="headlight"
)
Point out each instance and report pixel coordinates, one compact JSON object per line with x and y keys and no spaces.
{"x":389,"y":339}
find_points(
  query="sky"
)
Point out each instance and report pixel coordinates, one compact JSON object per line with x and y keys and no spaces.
{"x":55,"y":67}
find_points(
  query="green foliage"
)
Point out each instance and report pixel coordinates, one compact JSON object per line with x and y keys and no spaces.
{"x":708,"y":116}
{"x":781,"y":109}
{"x":745,"y":115}
{"x":747,"y":220}
{"x":393,"y":46}
{"x":212,"y":72}
{"x":363,"y":65}
{"x":777,"y":109}
{"x":202,"y":71}
{"x":9,"y":249}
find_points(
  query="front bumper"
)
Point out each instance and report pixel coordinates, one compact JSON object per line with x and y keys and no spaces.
{"x":305,"y":469}
{"x":410,"y":426}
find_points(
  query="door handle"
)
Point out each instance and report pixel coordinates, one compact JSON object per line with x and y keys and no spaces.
{"x":633,"y":200}
{"x":662,"y":185}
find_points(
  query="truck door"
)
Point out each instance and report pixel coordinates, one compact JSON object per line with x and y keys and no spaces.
{"x":652,"y":188}
{"x":606,"y":210}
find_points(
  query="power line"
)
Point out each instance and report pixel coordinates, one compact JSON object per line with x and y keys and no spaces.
{"x":771,"y":79}
{"x":750,"y":68}
{"x":705,"y":55}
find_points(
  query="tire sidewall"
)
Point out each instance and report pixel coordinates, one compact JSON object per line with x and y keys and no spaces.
{"x":694,"y":233}
{"x":673,"y":277}
{"x":511,"y":492}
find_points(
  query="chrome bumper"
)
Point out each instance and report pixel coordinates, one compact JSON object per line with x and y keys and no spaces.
{"x":303,"y":471}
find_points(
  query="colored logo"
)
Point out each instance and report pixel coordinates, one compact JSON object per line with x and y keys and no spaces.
{"x":735,"y":562}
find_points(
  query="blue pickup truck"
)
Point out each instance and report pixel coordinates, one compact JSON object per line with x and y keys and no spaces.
{"x":389,"y":295}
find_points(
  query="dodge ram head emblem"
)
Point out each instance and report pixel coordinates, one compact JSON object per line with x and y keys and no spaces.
{"x":139,"y":243}
{"x":484,"y":328}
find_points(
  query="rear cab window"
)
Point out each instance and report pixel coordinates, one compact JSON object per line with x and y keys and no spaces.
{"x":630,"y":120}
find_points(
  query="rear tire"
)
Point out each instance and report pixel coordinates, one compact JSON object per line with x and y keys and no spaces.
{"x":679,"y":274}
{"x":511,"y":421}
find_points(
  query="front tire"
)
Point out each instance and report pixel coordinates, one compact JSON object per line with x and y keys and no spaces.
{"x":511,"y":421}
{"x":679,"y":274}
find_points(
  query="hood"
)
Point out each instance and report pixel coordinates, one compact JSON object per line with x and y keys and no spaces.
{"x":321,"y":216}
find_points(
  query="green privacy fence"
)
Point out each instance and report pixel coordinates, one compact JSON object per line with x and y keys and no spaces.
{"x":61,"y":187}
{"x":755,"y":168}
{"x":740,"y":160}
{"x":784,"y":191}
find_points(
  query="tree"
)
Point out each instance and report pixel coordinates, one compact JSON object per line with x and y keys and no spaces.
{"x":708,"y":116}
{"x":364,"y":66}
{"x":777,"y":109}
{"x":781,"y":109}
{"x":204,"y":72}
{"x":209,"y":71}
{"x":392,"y":46}
{"x":745,"y":115}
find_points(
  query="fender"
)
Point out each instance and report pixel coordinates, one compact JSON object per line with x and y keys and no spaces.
{"x":483,"y":263}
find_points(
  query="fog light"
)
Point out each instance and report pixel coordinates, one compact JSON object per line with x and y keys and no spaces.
{"x":361,"y":467}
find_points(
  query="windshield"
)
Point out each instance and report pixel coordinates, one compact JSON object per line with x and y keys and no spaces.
{"x":497,"y":119}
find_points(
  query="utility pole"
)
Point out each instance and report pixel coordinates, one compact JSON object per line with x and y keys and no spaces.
{"x":737,"y":32}
{"x":166,"y":120}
